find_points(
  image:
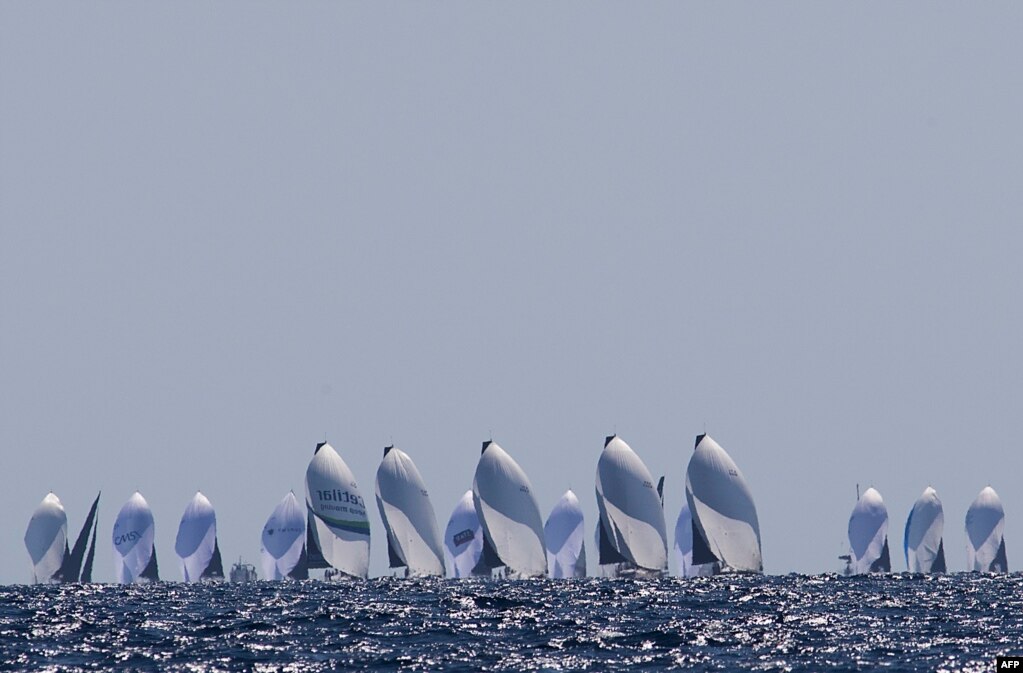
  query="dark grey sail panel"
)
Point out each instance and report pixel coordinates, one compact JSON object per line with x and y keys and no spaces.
{"x":1000,"y":564}
{"x":701,"y":550}
{"x":884,"y":562}
{"x":490,"y":558}
{"x":393,"y":559}
{"x":314,"y":557}
{"x":606,"y":552}
{"x":89,"y":558}
{"x":71,"y":570}
{"x":301,"y":569}
{"x":939,"y":560}
{"x":152,"y":571}
{"x":215,"y":570}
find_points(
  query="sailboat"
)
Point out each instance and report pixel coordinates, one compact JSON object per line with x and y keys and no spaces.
{"x":631,"y":533}
{"x":985,"y":524}
{"x":726,"y":531}
{"x":413,"y":540}
{"x":563,"y":536}
{"x":282,"y":551}
{"x":196,"y":544}
{"x":134,"y":553}
{"x":510,"y":515}
{"x":868,"y":535}
{"x":337,"y":533}
{"x":683,"y":547}
{"x":463,"y":541}
{"x":46,"y":542}
{"x":922,"y":542}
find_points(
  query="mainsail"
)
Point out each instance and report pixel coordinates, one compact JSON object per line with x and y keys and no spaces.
{"x":631,"y":530}
{"x":196,"y":544}
{"x":134,"y":532}
{"x":78,"y":560}
{"x":563,"y":535}
{"x":922,"y":542}
{"x":413,"y":540}
{"x":985,"y":544}
{"x":46,"y":540}
{"x":283,"y":542}
{"x":510,"y":515}
{"x":463,"y":541}
{"x":726,"y":531}
{"x":338,"y":529}
{"x":684,"y":546}
{"x":868,"y":535}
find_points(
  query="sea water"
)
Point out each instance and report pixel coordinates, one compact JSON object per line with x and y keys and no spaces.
{"x":957,"y":622}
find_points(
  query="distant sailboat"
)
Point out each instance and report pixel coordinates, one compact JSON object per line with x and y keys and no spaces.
{"x":508,"y":511}
{"x":563,"y":536}
{"x":868,"y":535}
{"x":337,"y":526}
{"x":985,"y":544}
{"x":196,"y":544}
{"x":463,"y":541}
{"x":413,"y":541}
{"x":726,"y":530}
{"x":631,"y":533}
{"x":282,"y":551}
{"x":683,"y":547}
{"x":46,"y":542}
{"x":134,"y":553}
{"x":922,"y":542}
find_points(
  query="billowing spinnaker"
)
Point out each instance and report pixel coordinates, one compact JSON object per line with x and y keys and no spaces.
{"x":922,"y":543}
{"x":563,"y":534}
{"x":985,"y":544}
{"x":868,"y":535}
{"x":283,"y":542}
{"x":508,"y":511}
{"x":196,"y":544}
{"x":340,"y":528}
{"x":46,"y":540}
{"x":134,"y":532}
{"x":631,"y":514}
{"x":413,"y":540}
{"x":463,"y":540}
{"x":684,"y":546}
{"x":726,"y":531}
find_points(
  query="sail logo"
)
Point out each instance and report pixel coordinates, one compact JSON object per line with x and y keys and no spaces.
{"x":337,"y":495}
{"x":524,"y":489}
{"x":463,"y":537}
{"x":132,"y":536}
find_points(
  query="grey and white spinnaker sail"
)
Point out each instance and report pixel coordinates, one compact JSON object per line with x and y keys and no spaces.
{"x":683,"y":547}
{"x":985,"y":524}
{"x":196,"y":544}
{"x":510,"y":515}
{"x":563,"y":535}
{"x":631,"y":532}
{"x":726,"y":530}
{"x":46,"y":540}
{"x":463,"y":541}
{"x":868,"y":535}
{"x":337,"y":525}
{"x":282,"y":550}
{"x":413,"y":540}
{"x":922,"y":542}
{"x":134,"y":532}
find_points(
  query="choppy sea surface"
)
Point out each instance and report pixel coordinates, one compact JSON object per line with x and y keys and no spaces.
{"x":793,"y":623}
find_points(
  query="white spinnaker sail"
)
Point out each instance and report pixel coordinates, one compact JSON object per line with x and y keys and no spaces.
{"x":46,"y":540}
{"x":724,"y":515}
{"x":985,"y":524}
{"x":509,"y":513}
{"x":922,"y":543}
{"x":868,"y":534}
{"x":197,"y":538}
{"x":412,"y":536}
{"x":134,"y":532}
{"x":463,"y":539}
{"x":283,"y":540}
{"x":630,"y":508}
{"x":338,"y":511}
{"x":684,"y":546}
{"x":563,"y":535}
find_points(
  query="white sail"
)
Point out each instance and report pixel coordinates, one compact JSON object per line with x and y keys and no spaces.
{"x":563,"y":535}
{"x":283,"y":541}
{"x":868,"y":535}
{"x":196,"y":543}
{"x":922,"y":542}
{"x":509,"y":513}
{"x":46,"y":540}
{"x":985,"y":523}
{"x":463,"y":540}
{"x":413,"y":540}
{"x":684,"y":546}
{"x":726,"y":530}
{"x":134,"y":532}
{"x":338,"y":513}
{"x":631,"y":515}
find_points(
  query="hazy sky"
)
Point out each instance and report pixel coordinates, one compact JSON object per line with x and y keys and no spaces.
{"x":229,"y":230}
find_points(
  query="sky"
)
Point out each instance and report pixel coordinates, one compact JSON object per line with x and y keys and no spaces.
{"x":231,"y":230}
